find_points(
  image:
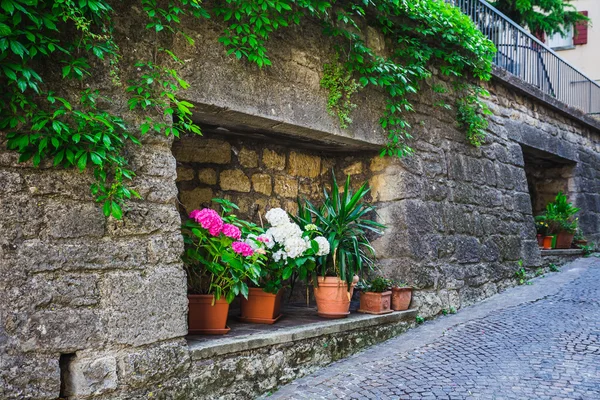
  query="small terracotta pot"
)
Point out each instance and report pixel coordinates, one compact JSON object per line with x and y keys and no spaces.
{"x":540,"y":240}
{"x":564,"y":240}
{"x":204,"y":318}
{"x":548,"y":242}
{"x":375,"y":303}
{"x":333,"y":297}
{"x":401,"y":297}
{"x":261,"y":307}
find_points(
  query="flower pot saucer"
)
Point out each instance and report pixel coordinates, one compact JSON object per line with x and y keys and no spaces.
{"x":209,"y":331}
{"x":268,"y":321}
{"x":333,"y":315}
{"x":375,"y":312}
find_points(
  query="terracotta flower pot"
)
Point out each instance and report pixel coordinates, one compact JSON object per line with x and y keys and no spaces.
{"x":204,"y":318}
{"x":540,"y":240}
{"x":548,"y":242}
{"x":401,"y":297}
{"x":261,"y":307}
{"x":333,"y":297}
{"x":564,"y":240}
{"x":375,"y":303}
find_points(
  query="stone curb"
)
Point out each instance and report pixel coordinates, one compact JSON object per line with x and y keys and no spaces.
{"x":199,"y":351}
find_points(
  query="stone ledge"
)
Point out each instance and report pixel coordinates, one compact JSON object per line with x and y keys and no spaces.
{"x":224,"y":345}
{"x":562,"y":252}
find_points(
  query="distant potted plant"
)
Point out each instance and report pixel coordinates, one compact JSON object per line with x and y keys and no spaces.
{"x":401,"y":296}
{"x":376,"y":296}
{"x":579,"y":239}
{"x":561,"y":220}
{"x":289,"y":249}
{"x":344,"y":219}
{"x":541,"y":227}
{"x":218,"y":263}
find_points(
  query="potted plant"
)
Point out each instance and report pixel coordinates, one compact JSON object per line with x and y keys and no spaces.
{"x":376,"y":296}
{"x":288,"y":249}
{"x":401,"y":296}
{"x":560,"y":217}
{"x":344,"y":219}
{"x":541,"y":227}
{"x":218,"y":262}
{"x":579,"y":239}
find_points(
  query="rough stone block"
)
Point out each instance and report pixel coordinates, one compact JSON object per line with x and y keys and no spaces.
{"x":248,"y":158}
{"x":354,"y":168}
{"x":395,"y":185}
{"x":154,"y":161}
{"x":145,"y":218}
{"x":202,"y":150}
{"x":273,"y":160}
{"x":21,"y":216}
{"x":132,"y":296}
{"x":90,"y":376}
{"x":207,"y":176}
{"x":286,"y":186}
{"x":304,"y":165}
{"x":378,"y":164}
{"x":235,"y":180}
{"x":184,"y":174}
{"x":468,"y":250}
{"x":196,"y":198}
{"x":66,"y":290}
{"x":522,"y":203}
{"x":262,"y":184}
{"x":67,"y":219}
{"x":29,"y":375}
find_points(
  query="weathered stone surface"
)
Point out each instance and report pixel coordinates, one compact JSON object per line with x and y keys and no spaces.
{"x":67,"y":219}
{"x":304,"y":165}
{"x":234,"y":179}
{"x":90,"y":376}
{"x":202,"y":150}
{"x":354,"y":169}
{"x":196,"y":199}
{"x":185,"y":174}
{"x":248,"y":158}
{"x":286,"y":186}
{"x":262,"y":183}
{"x":273,"y":160}
{"x":208,"y":176}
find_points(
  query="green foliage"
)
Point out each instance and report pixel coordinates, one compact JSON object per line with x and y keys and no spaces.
{"x":344,"y":219}
{"x":471,"y":112}
{"x":212,"y":266}
{"x":554,"y":268}
{"x":452,"y":310}
{"x":341,"y":87}
{"x":560,"y":215}
{"x":422,"y":32}
{"x":539,"y":272}
{"x":50,"y":120}
{"x":521,"y":276}
{"x":376,"y":285}
{"x":419,"y":319}
{"x":549,"y":16}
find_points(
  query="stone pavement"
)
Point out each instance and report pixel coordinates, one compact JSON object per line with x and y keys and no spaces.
{"x":531,"y":342}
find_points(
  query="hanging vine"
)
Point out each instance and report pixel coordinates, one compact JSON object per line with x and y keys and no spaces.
{"x":43,"y":121}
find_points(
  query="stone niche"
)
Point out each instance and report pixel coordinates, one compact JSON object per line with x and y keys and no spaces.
{"x":258,"y":174}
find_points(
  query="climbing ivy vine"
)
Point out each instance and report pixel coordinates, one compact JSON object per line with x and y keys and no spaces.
{"x":74,"y":123}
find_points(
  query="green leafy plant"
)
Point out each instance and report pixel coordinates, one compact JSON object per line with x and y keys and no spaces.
{"x":444,"y":311}
{"x":554,"y":268}
{"x":216,"y":258}
{"x":419,"y":319}
{"x":560,"y":215}
{"x":341,"y":87}
{"x":377,"y":285}
{"x":548,"y":16}
{"x":344,"y":218}
{"x":539,"y":272}
{"x":521,"y":276}
{"x":452,"y":310}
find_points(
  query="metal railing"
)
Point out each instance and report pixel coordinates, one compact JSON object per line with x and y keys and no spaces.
{"x":523,"y":55}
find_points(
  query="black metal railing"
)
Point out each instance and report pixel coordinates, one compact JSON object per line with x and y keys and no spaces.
{"x":523,"y":55}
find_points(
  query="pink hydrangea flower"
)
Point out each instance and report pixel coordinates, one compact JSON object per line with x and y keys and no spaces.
{"x":231,"y":231}
{"x":242,"y":248}
{"x":263,"y":239}
{"x":209,"y":219}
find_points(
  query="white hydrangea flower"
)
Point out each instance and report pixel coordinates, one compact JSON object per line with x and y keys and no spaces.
{"x":279,"y":255}
{"x":295,"y":246}
{"x":251,"y":241}
{"x":267,"y":239}
{"x":285,"y":231}
{"x":277,"y":217}
{"x":323,"y":246}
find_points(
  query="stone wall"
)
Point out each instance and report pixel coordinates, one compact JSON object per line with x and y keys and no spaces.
{"x":104,"y":300}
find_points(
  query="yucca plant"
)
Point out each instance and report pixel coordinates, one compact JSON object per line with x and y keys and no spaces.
{"x":344,"y":219}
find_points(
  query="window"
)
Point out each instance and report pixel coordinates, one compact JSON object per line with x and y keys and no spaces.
{"x":558,"y":42}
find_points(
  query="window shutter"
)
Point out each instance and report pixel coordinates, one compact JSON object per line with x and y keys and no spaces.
{"x":581,"y":31}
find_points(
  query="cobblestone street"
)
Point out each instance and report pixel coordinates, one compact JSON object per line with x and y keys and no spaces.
{"x":540,"y":341}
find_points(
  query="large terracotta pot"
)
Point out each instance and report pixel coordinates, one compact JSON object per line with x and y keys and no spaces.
{"x":333,"y":297}
{"x":540,"y":240}
{"x":401,"y":298}
{"x":204,"y":318}
{"x":261,"y":307}
{"x":548,"y":242}
{"x":564,"y":240}
{"x":375,"y":303}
